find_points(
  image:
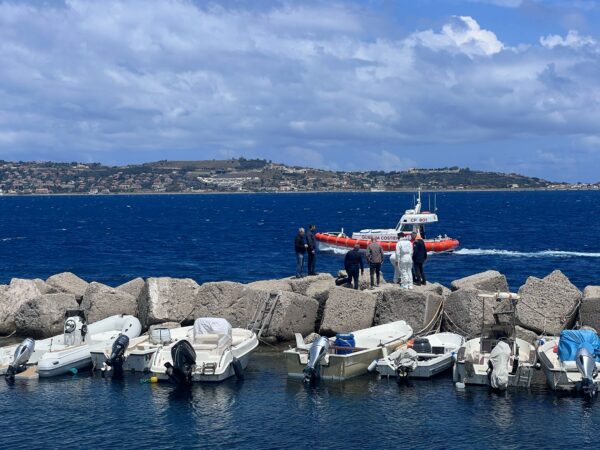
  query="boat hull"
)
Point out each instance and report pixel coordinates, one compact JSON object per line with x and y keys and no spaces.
{"x":335,"y":240}
{"x":425,"y":369}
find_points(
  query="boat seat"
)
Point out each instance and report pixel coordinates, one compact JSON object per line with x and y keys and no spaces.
{"x":211,"y":341}
{"x":237,"y":340}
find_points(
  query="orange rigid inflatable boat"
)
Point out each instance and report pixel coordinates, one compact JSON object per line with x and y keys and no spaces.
{"x":413,"y":220}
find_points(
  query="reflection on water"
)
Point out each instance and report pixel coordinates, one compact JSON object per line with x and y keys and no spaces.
{"x":267,"y":410}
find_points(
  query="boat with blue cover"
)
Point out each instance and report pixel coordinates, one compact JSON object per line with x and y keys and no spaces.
{"x":571,"y":362}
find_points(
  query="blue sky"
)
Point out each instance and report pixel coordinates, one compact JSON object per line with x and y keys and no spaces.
{"x":503,"y":85}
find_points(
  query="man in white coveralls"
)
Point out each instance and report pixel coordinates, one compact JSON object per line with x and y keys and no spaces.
{"x":404,"y":250}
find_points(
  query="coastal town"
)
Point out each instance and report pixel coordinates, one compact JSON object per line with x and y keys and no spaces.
{"x":244,"y":175}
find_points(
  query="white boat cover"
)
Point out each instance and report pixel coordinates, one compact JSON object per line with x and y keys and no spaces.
{"x":499,"y":358}
{"x":406,"y":358}
{"x":212,"y":325}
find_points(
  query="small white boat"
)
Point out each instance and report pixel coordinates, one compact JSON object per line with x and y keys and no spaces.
{"x":323,"y":359}
{"x":498,"y":358}
{"x":570,"y":362}
{"x":137,"y":355}
{"x":69,"y":351}
{"x":422,"y":357}
{"x":211,"y":351}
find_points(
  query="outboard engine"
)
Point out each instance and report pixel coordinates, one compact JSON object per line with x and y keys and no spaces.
{"x":498,"y":366}
{"x":316,"y":353}
{"x":117,"y":354}
{"x":586,"y":364}
{"x":405,"y":361}
{"x":184,"y":361}
{"x":22,"y":354}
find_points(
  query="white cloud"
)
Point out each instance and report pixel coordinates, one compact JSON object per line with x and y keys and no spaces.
{"x":572,"y":39}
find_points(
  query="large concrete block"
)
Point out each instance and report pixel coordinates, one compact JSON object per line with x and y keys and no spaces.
{"x":590,"y":307}
{"x":548,"y":305}
{"x":11,"y":298}
{"x":418,"y":309}
{"x":44,"y":316}
{"x":101,"y":301}
{"x":68,"y":282}
{"x":489,"y":281}
{"x":348,"y":310}
{"x":167,"y":300}
{"x":464,"y":312}
{"x":135,"y":287}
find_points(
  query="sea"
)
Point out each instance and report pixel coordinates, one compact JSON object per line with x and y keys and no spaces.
{"x":247,"y":237}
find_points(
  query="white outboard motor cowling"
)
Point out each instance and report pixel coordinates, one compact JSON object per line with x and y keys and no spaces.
{"x":75,"y":328}
{"x":316,"y":353}
{"x":499,"y":359}
{"x":22,"y":354}
{"x":586,"y":364}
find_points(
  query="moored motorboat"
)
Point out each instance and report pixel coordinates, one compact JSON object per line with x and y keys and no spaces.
{"x":571,"y":362}
{"x":422,"y":357}
{"x":137,"y":355}
{"x":345,"y":356}
{"x":211,"y":351}
{"x":498,"y":358}
{"x":69,"y":350}
{"x":413,"y":220}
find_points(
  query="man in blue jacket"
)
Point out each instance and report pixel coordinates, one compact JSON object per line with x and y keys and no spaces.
{"x":311,"y":241}
{"x":352,"y":263}
{"x":419,"y":256}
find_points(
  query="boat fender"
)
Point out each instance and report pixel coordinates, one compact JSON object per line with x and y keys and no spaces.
{"x":372,"y":366}
{"x":459,"y":385}
{"x":237,"y":368}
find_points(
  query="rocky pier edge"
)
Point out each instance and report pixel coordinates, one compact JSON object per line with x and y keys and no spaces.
{"x":548,"y":305}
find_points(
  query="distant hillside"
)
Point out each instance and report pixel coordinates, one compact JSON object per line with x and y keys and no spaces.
{"x":246,"y":175}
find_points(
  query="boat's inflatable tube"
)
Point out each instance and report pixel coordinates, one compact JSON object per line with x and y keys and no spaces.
{"x":432,"y":245}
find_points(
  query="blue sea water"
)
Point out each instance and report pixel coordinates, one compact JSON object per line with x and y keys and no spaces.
{"x":247,"y":237}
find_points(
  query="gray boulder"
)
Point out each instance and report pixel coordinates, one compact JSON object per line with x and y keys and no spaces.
{"x":101,"y":301}
{"x":12,"y":297}
{"x":418,"y":309}
{"x":272,"y":285}
{"x":548,"y":305}
{"x":526,"y":335}
{"x":43,"y":316}
{"x":303,"y":285}
{"x":489,"y":281}
{"x":167,"y":300}
{"x":590,"y":307}
{"x":68,"y":282}
{"x":225,"y":299}
{"x":294,"y":313}
{"x":348,"y":310}
{"x":44,"y":287}
{"x":135,"y":287}
{"x":463,"y":312}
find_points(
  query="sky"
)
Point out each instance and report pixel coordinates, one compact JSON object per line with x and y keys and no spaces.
{"x":499,"y":85}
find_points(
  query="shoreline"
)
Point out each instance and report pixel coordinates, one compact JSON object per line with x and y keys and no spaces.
{"x":407,"y":190}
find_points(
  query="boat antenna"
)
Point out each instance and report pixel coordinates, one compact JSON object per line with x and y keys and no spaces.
{"x":434,"y":202}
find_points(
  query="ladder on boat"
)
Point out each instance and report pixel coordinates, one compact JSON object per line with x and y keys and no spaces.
{"x":264,"y":313}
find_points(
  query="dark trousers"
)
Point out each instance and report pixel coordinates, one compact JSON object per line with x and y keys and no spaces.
{"x":375,"y":268}
{"x":353,"y":275}
{"x":312,"y":261}
{"x":419,"y":273}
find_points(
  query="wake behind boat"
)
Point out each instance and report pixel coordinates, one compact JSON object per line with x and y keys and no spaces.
{"x":413,"y":220}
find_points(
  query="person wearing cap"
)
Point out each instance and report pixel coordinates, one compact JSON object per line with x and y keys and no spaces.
{"x":404,"y":252}
{"x":300,"y":247}
{"x":419,"y":256}
{"x":352,"y":263}
{"x":311,"y":241}
{"x":375,"y":259}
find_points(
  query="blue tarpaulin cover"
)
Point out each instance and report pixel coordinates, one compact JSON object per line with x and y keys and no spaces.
{"x":571,"y":340}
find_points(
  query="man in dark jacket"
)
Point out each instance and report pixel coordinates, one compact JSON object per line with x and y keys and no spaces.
{"x":375,"y":259}
{"x":419,"y":257}
{"x":311,"y":241}
{"x":300,"y":246}
{"x":352,"y":263}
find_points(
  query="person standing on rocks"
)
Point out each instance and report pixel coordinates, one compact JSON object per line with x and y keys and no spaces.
{"x":311,"y":241}
{"x":300,"y":247}
{"x":419,"y":256}
{"x":375,"y":259}
{"x":352,"y":263}
{"x":404,"y":259}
